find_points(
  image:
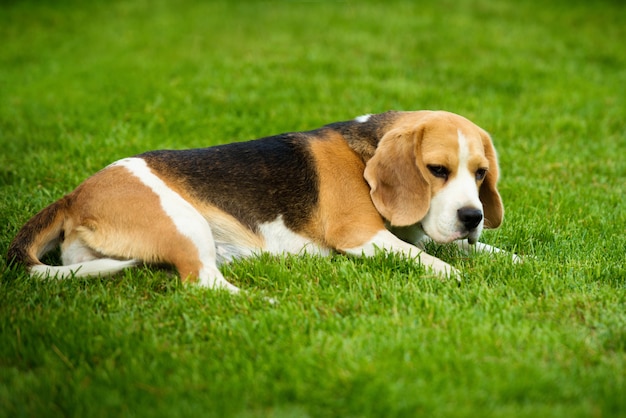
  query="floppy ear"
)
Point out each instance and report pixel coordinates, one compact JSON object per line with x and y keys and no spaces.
{"x":488,"y":194}
{"x":399,"y":191}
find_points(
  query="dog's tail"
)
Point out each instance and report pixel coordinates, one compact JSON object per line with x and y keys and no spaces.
{"x":41,"y":234}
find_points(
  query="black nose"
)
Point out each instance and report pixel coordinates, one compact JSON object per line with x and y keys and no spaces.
{"x":470,"y":217}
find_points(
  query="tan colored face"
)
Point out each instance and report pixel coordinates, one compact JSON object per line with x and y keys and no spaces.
{"x":454,"y":163}
{"x":440,"y":170}
{"x":447,"y":152}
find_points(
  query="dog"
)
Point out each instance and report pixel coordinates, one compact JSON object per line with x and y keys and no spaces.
{"x":380,"y":182}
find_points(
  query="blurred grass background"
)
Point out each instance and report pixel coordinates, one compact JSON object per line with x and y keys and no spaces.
{"x":85,"y":83}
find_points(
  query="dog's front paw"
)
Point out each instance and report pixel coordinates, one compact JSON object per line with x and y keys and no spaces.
{"x":440,"y":268}
{"x":452,"y":273}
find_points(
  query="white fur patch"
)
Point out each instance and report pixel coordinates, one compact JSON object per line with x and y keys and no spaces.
{"x":187,"y":220}
{"x":280,"y":240}
{"x":363,"y":118}
{"x":77,"y":252}
{"x":99,"y":267}
{"x":384,"y":240}
{"x":480,"y":247}
{"x":227,"y":252}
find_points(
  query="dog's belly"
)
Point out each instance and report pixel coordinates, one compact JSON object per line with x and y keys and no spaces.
{"x":276,"y":238}
{"x":279,"y":239}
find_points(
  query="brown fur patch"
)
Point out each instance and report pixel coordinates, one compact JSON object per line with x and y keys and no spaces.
{"x":39,"y":235}
{"x":346,"y":217}
{"x":117,"y":216}
{"x":399,"y":188}
{"x":488,"y":193}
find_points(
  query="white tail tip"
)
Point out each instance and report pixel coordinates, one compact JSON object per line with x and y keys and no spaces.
{"x":99,"y":267}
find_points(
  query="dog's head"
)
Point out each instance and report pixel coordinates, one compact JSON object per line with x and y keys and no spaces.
{"x":440,"y":170}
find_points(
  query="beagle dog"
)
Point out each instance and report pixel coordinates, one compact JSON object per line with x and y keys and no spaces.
{"x":390,"y":182}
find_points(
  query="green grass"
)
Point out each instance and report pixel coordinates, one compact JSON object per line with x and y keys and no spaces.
{"x":85,"y":83}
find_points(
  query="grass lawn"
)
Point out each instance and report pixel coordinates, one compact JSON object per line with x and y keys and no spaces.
{"x":85,"y":83}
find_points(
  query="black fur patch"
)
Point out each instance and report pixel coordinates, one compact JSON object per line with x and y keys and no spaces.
{"x":254,"y":181}
{"x":363,"y":137}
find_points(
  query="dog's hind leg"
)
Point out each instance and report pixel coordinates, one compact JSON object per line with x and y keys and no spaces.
{"x":127,"y":213}
{"x":190,"y":250}
{"x":152,"y":236}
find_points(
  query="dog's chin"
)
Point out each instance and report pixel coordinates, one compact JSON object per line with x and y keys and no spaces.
{"x":444,"y":238}
{"x":447,"y":238}
{"x":474,"y":234}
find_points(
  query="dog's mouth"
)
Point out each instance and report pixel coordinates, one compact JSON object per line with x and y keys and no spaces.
{"x":471,"y":235}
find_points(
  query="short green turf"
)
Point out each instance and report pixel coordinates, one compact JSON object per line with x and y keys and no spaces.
{"x":83,"y":84}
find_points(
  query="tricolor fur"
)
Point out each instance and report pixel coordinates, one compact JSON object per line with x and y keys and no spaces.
{"x":389,"y":181}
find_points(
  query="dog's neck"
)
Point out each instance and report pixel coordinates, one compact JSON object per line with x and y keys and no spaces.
{"x":364,"y":135}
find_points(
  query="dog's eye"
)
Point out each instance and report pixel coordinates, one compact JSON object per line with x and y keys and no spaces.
{"x":480,"y":174}
{"x":439,"y":171}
